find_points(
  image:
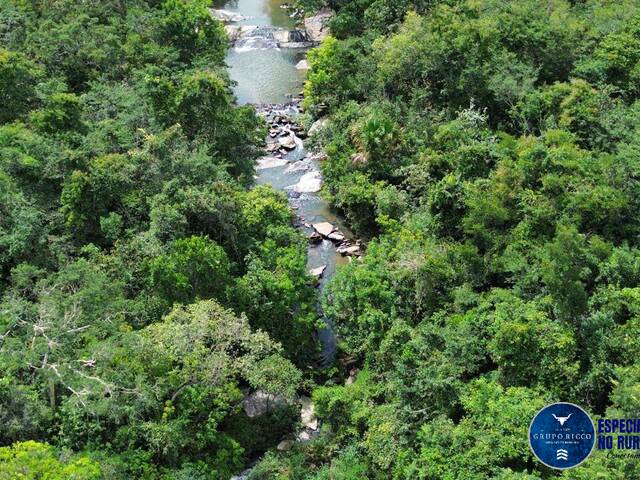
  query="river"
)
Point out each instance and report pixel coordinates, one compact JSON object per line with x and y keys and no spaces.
{"x":266,"y":74}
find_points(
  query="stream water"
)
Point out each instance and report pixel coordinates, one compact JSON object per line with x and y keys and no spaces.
{"x":266,"y":74}
{"x":263,"y":73}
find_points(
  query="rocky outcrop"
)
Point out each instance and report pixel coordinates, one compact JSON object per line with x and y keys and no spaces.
{"x":349,"y":250}
{"x":234,"y":32}
{"x":310,"y":425}
{"x":285,"y":445}
{"x":317,"y":26}
{"x":307,"y":414}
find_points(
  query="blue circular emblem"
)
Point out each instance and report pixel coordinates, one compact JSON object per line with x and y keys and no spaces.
{"x":562,"y":435}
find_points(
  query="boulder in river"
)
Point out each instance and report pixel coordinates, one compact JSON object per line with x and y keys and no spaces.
{"x":272,"y":147}
{"x":302,"y":65}
{"x":336,"y":237}
{"x":293,"y":38}
{"x":318,"y":272}
{"x":349,"y":250}
{"x":323,"y":228}
{"x":317,"y":26}
{"x":288,"y":142}
{"x":315,"y":238}
{"x":265,"y":163}
{"x":303,"y":165}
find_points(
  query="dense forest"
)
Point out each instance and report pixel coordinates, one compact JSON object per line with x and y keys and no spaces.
{"x":144,"y":287}
{"x":487,"y":152}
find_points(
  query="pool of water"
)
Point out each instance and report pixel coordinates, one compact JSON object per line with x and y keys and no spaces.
{"x":263,"y":75}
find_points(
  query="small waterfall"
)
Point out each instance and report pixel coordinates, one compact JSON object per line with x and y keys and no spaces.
{"x":258,"y":38}
{"x":247,"y":38}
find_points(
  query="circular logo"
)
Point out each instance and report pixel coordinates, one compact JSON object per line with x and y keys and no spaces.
{"x":562,"y":435}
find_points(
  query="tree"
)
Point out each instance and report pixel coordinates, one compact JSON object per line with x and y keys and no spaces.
{"x":18,"y":79}
{"x":32,"y":460}
{"x":192,"y":268}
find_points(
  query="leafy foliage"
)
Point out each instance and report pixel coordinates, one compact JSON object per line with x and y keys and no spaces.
{"x":134,"y":259}
{"x":487,"y":151}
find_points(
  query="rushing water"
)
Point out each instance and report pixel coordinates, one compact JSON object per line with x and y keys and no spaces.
{"x":265,"y":74}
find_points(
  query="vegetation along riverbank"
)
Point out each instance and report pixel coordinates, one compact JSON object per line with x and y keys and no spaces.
{"x":167,"y":216}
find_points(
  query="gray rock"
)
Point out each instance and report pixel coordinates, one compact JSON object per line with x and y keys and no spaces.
{"x":315,"y":238}
{"x":318,"y":272}
{"x":302,"y":65}
{"x":265,"y":163}
{"x":303,"y":165}
{"x":323,"y":228}
{"x":307,"y":414}
{"x":310,"y":182}
{"x":351,"y":251}
{"x":336,"y":237}
{"x":352,"y":376}
{"x":259,"y":402}
{"x":318,"y":125}
{"x":285,"y":445}
{"x":288,"y":142}
{"x":317,"y":25}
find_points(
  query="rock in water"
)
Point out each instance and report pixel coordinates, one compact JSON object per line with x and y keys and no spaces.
{"x":300,"y":166}
{"x":288,"y":142}
{"x":302,"y":65}
{"x":349,"y":250}
{"x":324,"y":228}
{"x":315,"y":238}
{"x":270,"y":162}
{"x":317,"y":25}
{"x":318,"y":272}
